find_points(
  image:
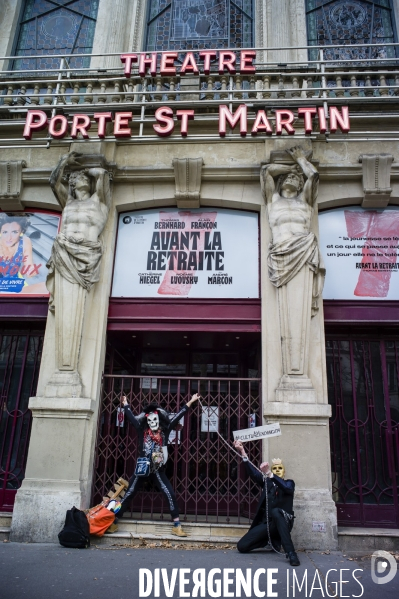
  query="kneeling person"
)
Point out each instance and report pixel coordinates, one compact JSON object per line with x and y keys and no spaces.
{"x":280,"y":495}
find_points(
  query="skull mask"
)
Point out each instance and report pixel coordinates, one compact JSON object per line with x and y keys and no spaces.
{"x":153,"y":421}
{"x":278,"y":468}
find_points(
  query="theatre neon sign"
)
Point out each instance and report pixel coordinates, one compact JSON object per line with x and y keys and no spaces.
{"x":166,"y":118}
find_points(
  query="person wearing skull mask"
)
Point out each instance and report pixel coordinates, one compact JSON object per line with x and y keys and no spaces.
{"x":280,"y":495}
{"x":153,"y":427}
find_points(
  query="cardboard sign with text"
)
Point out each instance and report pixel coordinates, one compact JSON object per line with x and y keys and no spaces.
{"x":258,"y":432}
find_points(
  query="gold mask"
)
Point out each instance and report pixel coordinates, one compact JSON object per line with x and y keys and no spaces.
{"x":278,"y":467}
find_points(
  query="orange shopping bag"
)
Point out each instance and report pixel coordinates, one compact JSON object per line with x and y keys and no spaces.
{"x":99,"y":519}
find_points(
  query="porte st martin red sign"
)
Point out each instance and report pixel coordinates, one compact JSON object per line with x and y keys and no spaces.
{"x":313,"y":119}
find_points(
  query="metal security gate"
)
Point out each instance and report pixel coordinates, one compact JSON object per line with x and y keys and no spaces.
{"x":363,"y":388}
{"x":20,"y":353}
{"x":206,"y":476}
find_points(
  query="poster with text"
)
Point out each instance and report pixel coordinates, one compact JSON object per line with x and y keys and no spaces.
{"x":360,"y":252}
{"x":26,"y":239}
{"x":199,"y":253}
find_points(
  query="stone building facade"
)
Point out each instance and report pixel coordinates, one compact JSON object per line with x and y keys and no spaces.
{"x":351,"y":83}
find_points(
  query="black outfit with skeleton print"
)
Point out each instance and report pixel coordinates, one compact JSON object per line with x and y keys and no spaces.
{"x":146,"y":447}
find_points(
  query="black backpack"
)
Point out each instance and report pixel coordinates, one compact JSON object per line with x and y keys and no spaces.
{"x":76,"y":530}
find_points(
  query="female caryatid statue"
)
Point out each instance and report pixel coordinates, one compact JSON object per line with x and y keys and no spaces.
{"x":294,"y":262}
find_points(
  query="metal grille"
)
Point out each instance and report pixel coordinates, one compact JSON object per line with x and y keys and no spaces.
{"x":204,"y":473}
{"x":364,"y":430}
{"x":20,"y":355}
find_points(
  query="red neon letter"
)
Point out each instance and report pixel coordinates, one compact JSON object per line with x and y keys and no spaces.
{"x":226,"y":116}
{"x":339,"y":120}
{"x":121,"y":124}
{"x":63,"y":122}
{"x":307,"y":114}
{"x":167,"y":63}
{"x":227,"y":60}
{"x":164,"y":114}
{"x":102,"y":118}
{"x":32,"y":124}
{"x":246,"y":58}
{"x":207,"y":55}
{"x":128,"y":59}
{"x":261,"y":123}
{"x":284,"y":123}
{"x":151,"y":62}
{"x":322,"y":120}
{"x":183,"y":116}
{"x":80,"y":123}
{"x":189,"y":64}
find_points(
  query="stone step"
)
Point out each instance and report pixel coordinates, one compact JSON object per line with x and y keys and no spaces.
{"x":5,"y":518}
{"x":363,"y":541}
{"x":4,"y":533}
{"x":136,"y":532}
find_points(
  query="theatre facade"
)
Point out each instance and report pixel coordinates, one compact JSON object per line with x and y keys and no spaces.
{"x":195,"y":265}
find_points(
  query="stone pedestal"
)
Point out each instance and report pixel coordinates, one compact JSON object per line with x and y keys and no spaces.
{"x":57,"y":476}
{"x":304,"y":449}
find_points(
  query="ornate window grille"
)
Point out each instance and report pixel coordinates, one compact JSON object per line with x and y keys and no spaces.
{"x":55,"y":27}
{"x":199,"y":24}
{"x":351,"y":22}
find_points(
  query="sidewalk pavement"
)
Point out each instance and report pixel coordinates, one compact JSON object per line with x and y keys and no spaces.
{"x":47,"y":571}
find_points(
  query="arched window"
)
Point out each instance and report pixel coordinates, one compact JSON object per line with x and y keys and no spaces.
{"x":347,"y":22}
{"x":55,"y":27}
{"x":199,"y":24}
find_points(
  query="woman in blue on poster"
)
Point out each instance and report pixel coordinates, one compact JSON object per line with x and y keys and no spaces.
{"x":16,"y":257}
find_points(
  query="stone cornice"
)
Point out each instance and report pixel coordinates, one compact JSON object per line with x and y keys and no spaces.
{"x":132,"y":174}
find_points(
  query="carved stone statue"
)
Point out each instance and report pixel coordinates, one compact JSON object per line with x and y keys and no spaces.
{"x":294,"y":261}
{"x":75,"y":259}
{"x":86,"y":200}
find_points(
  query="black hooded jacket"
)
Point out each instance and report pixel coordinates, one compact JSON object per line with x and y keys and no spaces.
{"x":280,"y":494}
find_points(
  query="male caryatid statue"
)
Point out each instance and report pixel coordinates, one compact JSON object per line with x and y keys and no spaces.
{"x":294,"y":262}
{"x":75,"y":259}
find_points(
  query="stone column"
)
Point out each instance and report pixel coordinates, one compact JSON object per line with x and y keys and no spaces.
{"x":294,"y":392}
{"x":119,"y":25}
{"x":280,"y":32}
{"x":64,"y":426}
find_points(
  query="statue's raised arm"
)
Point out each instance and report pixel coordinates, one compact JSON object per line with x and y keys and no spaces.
{"x":311,"y":186}
{"x":57,"y":184}
{"x":102,"y":186}
{"x":268,"y":174}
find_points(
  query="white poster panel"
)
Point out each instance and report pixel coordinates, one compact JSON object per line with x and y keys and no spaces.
{"x":210,"y":419}
{"x":199,"y":253}
{"x":360,"y":253}
{"x":26,"y":239}
{"x":120,"y":417}
{"x":173,"y":433}
{"x":149,"y":383}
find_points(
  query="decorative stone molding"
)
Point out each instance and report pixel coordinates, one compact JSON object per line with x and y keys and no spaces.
{"x":11,"y":184}
{"x":376,"y":179}
{"x":188,"y":181}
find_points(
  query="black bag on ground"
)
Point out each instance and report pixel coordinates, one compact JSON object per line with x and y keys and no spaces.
{"x":76,"y":530}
